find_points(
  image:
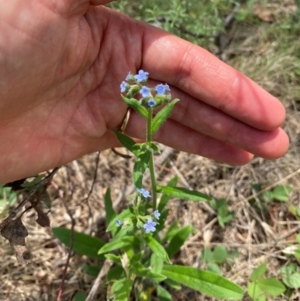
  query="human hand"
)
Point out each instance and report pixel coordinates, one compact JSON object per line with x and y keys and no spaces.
{"x":61,"y":65}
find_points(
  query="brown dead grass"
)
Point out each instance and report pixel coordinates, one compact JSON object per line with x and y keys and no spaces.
{"x":259,"y":236}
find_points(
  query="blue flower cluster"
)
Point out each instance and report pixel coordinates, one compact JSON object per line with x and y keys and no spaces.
{"x":145,"y":193}
{"x":151,"y":98}
{"x":150,"y":225}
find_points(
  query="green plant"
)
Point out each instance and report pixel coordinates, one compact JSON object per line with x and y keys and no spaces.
{"x":213,"y":258}
{"x":295,"y":211}
{"x":142,"y":246}
{"x":259,"y":287}
{"x":278,"y":193}
{"x":7,"y":199}
{"x":291,"y":275}
{"x":223,"y":214}
{"x":196,"y":21}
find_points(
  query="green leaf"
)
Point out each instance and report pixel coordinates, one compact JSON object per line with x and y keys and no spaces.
{"x":232,"y":255}
{"x":91,"y":270}
{"x":213,"y":204}
{"x":173,"y":284}
{"x":267,"y":196}
{"x":117,"y":243}
{"x":292,"y":280}
{"x":258,"y":272}
{"x":281,"y":193}
{"x":163,"y":115}
{"x":133,"y":103}
{"x":7,"y":197}
{"x":224,"y":216}
{"x":171,"y":231}
{"x":271,"y":286}
{"x":206,"y":255}
{"x":204,"y":282}
{"x":183,"y":193}
{"x":255,"y":292}
{"x":109,"y":210}
{"x":80,"y":296}
{"x":290,"y":277}
{"x":178,"y":240}
{"x":157,"y":248}
{"x":163,"y":294}
{"x":116,"y":272}
{"x":82,"y":243}
{"x":121,"y":289}
{"x":156,"y":263}
{"x":140,"y":166}
{"x":126,"y":141}
{"x":154,"y":147}
{"x":123,"y":215}
{"x":114,"y":258}
{"x":165,"y":198}
{"x":213,"y":267}
{"x":141,"y":271}
{"x":220,"y":254}
{"x":289,"y":269}
{"x":297,"y":253}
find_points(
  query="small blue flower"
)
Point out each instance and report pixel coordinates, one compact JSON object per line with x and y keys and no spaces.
{"x":151,"y":103}
{"x":167,"y":88}
{"x":149,"y":226}
{"x":145,"y":193}
{"x":145,"y":91}
{"x":123,"y":86}
{"x":118,"y":223}
{"x":160,"y":89}
{"x":156,"y":214}
{"x":141,"y":76}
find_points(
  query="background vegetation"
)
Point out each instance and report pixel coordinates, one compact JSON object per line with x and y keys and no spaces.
{"x":251,"y":235}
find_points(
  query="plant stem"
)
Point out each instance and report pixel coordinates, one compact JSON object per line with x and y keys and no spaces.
{"x":151,"y":162}
{"x":153,"y":180}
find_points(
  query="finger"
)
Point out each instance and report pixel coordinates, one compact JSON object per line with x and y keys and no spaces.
{"x":203,"y":76}
{"x":100,"y":2}
{"x":213,"y":122}
{"x":240,"y":143}
{"x":185,"y":139}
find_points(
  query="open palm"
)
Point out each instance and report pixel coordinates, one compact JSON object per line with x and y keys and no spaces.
{"x":61,"y":64}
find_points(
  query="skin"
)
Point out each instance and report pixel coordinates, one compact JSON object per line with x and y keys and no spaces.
{"x":61,"y":65}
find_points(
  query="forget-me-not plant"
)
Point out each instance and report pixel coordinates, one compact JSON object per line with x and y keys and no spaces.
{"x":141,"y":245}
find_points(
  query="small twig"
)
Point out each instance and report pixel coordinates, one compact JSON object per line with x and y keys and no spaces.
{"x":104,"y":270}
{"x":93,"y":183}
{"x":289,"y":233}
{"x":256,"y":194}
{"x":197,"y":244}
{"x":73,"y":222}
{"x":221,"y":41}
{"x":14,"y":214}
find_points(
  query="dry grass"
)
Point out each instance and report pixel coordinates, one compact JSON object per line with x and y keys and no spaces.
{"x":268,"y":55}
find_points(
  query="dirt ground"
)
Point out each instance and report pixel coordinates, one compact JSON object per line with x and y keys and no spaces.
{"x":258,"y":235}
